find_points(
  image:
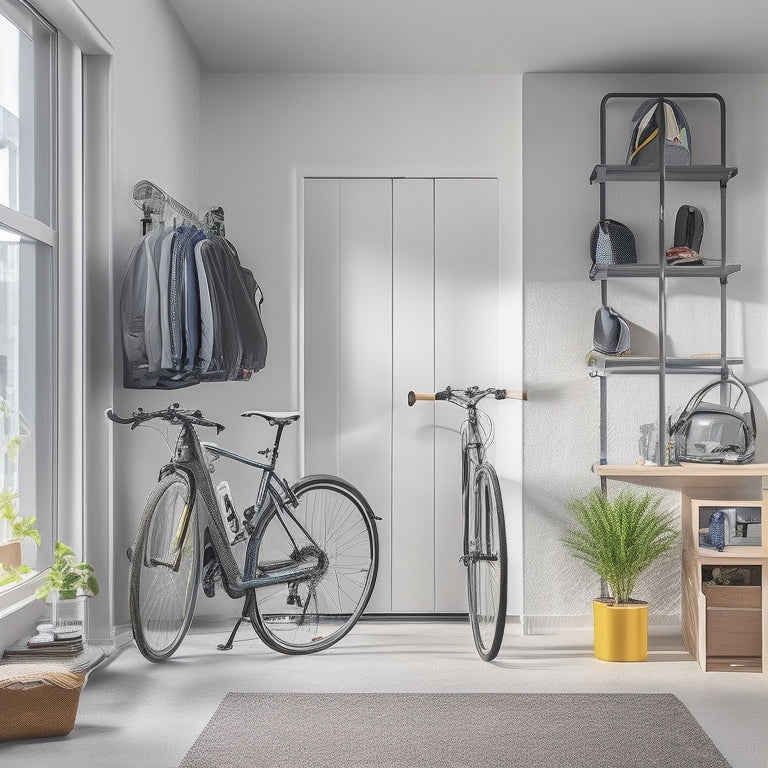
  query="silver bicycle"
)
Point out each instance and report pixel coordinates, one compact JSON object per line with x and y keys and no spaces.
{"x":485,"y":541}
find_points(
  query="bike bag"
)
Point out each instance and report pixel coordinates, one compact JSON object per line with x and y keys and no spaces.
{"x":689,"y":228}
{"x":612,"y":242}
{"x":611,"y":333}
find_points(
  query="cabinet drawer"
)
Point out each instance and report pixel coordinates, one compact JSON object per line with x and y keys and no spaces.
{"x":734,"y":631}
{"x":732,"y":597}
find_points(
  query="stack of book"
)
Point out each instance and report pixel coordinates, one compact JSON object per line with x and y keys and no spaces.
{"x":50,"y":642}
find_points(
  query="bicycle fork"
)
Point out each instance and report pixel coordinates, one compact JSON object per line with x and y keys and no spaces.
{"x":476,"y":552}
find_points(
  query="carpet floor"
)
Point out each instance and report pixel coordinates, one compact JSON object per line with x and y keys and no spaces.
{"x":359,"y":730}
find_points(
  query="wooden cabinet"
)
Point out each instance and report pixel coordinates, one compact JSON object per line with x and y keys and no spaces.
{"x":726,"y":586}
{"x":724,"y":608}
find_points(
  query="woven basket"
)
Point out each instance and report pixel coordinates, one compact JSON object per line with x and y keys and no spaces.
{"x":38,"y":704}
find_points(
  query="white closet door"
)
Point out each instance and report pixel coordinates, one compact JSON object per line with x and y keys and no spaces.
{"x":348,"y":344}
{"x":320,"y":417}
{"x":466,"y":351}
{"x":413,"y":429}
{"x":400,"y":292}
{"x":365,"y":359}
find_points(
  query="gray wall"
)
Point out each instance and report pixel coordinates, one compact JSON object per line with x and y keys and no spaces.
{"x":560,"y":148}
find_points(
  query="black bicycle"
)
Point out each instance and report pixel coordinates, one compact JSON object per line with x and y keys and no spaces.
{"x":485,"y":542}
{"x":312,"y":548}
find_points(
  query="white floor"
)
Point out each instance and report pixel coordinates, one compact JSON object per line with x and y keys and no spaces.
{"x":134,"y":713}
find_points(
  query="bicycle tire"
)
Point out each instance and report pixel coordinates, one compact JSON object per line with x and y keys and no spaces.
{"x":487,"y":578}
{"x":162,"y":596}
{"x":340,"y":521}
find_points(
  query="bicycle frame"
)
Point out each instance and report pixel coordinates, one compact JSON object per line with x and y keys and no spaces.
{"x":190,"y":458}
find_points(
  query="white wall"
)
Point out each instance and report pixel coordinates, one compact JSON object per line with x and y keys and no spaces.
{"x":261,"y":133}
{"x":155,"y":109}
{"x":560,"y":142}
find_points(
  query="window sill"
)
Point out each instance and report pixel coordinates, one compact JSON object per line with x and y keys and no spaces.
{"x":20,"y":595}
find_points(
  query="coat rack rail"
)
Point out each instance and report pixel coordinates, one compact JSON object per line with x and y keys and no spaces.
{"x":154,"y":201}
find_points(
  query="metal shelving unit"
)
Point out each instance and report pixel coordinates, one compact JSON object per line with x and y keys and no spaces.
{"x":662,"y":365}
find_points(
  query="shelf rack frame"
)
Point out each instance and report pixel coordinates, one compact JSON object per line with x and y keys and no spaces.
{"x":722,"y":174}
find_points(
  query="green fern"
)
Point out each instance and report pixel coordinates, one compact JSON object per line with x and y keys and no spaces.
{"x":619,"y":539}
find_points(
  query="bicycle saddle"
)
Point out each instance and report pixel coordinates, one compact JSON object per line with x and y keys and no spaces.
{"x":275,"y":418}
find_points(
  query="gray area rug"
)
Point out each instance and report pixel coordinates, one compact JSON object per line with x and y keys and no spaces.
{"x":412,"y":730}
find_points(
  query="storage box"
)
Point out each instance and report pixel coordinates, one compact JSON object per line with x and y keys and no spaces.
{"x":37,"y":701}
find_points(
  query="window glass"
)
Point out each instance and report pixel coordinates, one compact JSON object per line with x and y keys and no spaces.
{"x":26,"y":90}
{"x":28,"y":294}
{"x":26,"y":389}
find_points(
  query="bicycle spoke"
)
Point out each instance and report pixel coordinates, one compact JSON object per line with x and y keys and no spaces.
{"x":332,"y":599}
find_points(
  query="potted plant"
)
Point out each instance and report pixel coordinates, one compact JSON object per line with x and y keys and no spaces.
{"x":618,"y":539}
{"x":67,"y":586}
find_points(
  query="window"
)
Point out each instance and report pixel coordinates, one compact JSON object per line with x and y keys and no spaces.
{"x":28,"y":277}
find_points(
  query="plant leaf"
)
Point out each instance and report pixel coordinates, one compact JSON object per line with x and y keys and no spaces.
{"x":619,"y":540}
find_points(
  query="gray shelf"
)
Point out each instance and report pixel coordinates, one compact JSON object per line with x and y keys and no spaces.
{"x":608,"y":365}
{"x":718,"y":269}
{"x":720,"y":173}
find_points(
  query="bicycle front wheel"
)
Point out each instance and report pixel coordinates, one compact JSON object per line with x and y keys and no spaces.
{"x":487,"y":563}
{"x":311,"y":615}
{"x":164,"y":569}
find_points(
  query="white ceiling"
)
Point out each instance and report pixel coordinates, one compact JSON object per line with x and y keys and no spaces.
{"x":390,"y":36}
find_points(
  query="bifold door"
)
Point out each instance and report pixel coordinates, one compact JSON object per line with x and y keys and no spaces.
{"x":400,"y":292}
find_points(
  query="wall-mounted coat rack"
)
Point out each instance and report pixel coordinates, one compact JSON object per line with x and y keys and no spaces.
{"x":154,"y":201}
{"x":190,"y":312}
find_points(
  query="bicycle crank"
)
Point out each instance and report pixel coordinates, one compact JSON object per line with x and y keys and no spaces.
{"x":476,"y":557}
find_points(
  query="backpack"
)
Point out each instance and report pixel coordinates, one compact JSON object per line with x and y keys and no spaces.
{"x":716,"y":432}
{"x":612,"y":242}
{"x":644,"y":139}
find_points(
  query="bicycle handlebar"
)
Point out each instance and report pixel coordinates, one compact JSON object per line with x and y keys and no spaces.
{"x":465,"y":396}
{"x":172,"y":413}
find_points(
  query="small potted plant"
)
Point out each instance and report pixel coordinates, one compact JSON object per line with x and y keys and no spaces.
{"x":618,"y":539}
{"x":67,"y":586}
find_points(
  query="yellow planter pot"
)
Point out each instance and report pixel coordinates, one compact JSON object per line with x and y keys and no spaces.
{"x":621,"y":631}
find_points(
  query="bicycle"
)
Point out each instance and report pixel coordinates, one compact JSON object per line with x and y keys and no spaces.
{"x":484,"y":537}
{"x":312,"y":548}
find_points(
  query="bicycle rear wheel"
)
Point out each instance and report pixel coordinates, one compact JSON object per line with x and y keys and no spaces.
{"x":487,"y":563}
{"x":313,"y":614}
{"x":165,"y":565}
